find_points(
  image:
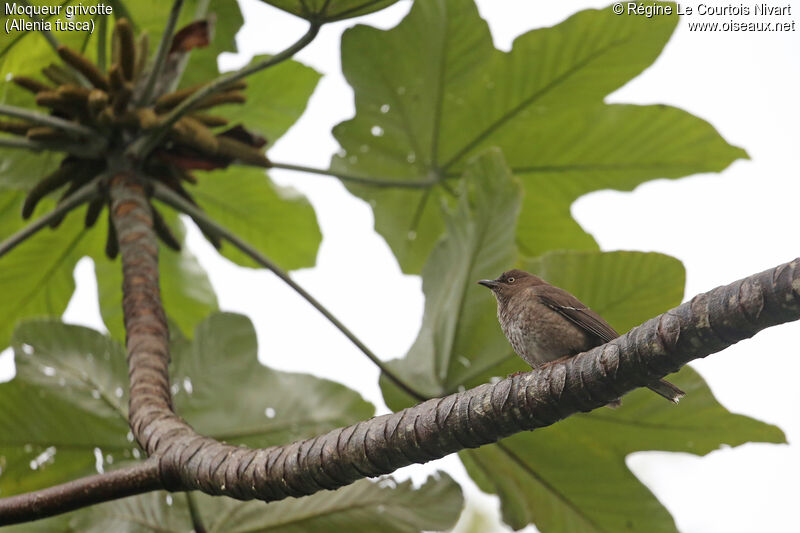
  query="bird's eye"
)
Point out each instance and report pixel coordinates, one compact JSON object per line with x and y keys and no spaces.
{"x":510,"y":280}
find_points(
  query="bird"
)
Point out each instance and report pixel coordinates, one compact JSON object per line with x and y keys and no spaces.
{"x":544,"y":323}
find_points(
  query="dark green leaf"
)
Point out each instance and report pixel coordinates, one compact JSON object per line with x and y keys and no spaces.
{"x":39,"y":444}
{"x":459,"y":334}
{"x":82,"y":367}
{"x":329,"y":10}
{"x":36,"y":277}
{"x":587,"y":487}
{"x":68,"y":377}
{"x":575,"y":152}
{"x":56,"y":524}
{"x":365,"y":506}
{"x":433,"y":92}
{"x":277,"y":221}
{"x":572,"y":476}
{"x":268,"y":407}
{"x":72,"y":377}
{"x":276,"y":97}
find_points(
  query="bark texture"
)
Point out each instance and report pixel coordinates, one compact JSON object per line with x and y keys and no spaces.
{"x":128,"y":481}
{"x":435,"y":428}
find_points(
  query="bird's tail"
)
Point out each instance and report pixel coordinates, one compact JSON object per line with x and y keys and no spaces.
{"x":667,"y":390}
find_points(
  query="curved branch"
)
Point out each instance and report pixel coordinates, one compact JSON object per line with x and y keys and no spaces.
{"x":139,"y":149}
{"x":188,"y":461}
{"x":170,"y":198}
{"x":127,"y":481}
{"x":432,"y":429}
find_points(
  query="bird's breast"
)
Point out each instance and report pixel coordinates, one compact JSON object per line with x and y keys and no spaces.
{"x":539,"y":334}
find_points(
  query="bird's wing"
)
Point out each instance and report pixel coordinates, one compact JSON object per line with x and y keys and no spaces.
{"x":576,"y":312}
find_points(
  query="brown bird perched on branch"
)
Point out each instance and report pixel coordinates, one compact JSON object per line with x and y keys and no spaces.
{"x":544,"y":323}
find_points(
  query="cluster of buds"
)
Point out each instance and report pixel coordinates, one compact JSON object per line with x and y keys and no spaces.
{"x":111,"y":105}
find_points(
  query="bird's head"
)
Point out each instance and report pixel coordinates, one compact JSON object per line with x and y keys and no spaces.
{"x":510,"y":283}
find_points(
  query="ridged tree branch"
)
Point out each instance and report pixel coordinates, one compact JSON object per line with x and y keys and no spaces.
{"x":119,"y":483}
{"x":431,"y":429}
{"x":437,"y":427}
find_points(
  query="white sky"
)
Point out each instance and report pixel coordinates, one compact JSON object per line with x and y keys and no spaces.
{"x":722,"y":226}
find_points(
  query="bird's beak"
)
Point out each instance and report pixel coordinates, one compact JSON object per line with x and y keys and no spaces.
{"x":491,"y":283}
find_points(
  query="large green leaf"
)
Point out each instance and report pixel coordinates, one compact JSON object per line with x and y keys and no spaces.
{"x":612,"y":146}
{"x":186,"y":291}
{"x":329,"y":10}
{"x":68,"y":377}
{"x":71,"y":376}
{"x":433,"y":92}
{"x":244,"y":200}
{"x":45,"y":441}
{"x":58,"y":524}
{"x":78,"y":365}
{"x":572,"y":476}
{"x":458,"y":328}
{"x":276,"y":97}
{"x":269,"y":407}
{"x":277,"y":221}
{"x":36,"y":277}
{"x":460,"y":343}
{"x":365,"y":506}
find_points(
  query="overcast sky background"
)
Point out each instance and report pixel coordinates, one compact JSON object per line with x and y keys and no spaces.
{"x":722,"y":226}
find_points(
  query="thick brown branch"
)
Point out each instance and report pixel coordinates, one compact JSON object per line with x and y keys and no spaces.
{"x":430,"y":430}
{"x":434,"y":428}
{"x":136,"y":479}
